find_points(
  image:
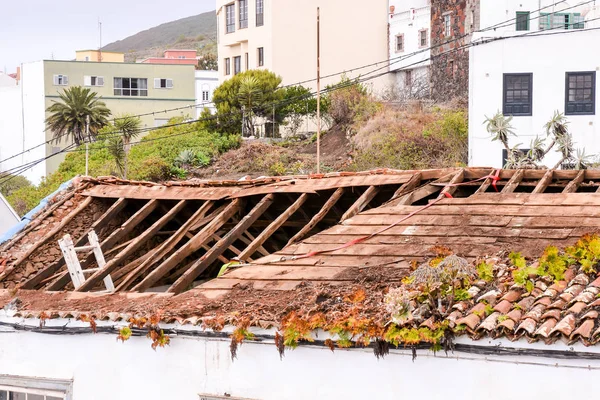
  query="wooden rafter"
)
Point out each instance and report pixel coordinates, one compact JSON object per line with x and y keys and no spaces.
{"x":117,"y":260}
{"x":544,"y":182}
{"x":575,"y":183}
{"x":424,"y":191}
{"x":47,"y":237}
{"x":514,"y":181}
{"x":118,"y":234}
{"x":458,"y":178}
{"x":247,"y":238}
{"x":486,"y":184}
{"x":101,"y":222}
{"x":318,"y":217}
{"x":207,"y":259}
{"x":361,"y":203}
{"x":409,"y":186}
{"x":194,"y":244}
{"x":270,"y":230}
{"x":233,"y":249}
{"x":165,"y":247}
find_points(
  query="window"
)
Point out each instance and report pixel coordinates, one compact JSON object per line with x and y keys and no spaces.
{"x":423,"y":38}
{"x":93,"y":81}
{"x":522,"y":152}
{"x":451,"y":67}
{"x":399,"y":43}
{"x":205,"y":95}
{"x":247,"y":63}
{"x":230,"y":18}
{"x":260,"y":13}
{"x":243,"y":7}
{"x":580,"y":93}
{"x":518,"y":94}
{"x":22,"y":388}
{"x":261,"y":56}
{"x":561,"y":21}
{"x":161,"y":83}
{"x":228,"y":66}
{"x":447,"y":25}
{"x":237,"y":65}
{"x":131,"y":87}
{"x":522,"y":20}
{"x":408,"y":78}
{"x":61,"y":80}
{"x":87,"y":58}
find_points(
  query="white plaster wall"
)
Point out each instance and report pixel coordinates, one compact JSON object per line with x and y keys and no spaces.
{"x":488,"y":63}
{"x":6,"y":80}
{"x":8,"y":217}
{"x":408,"y":19}
{"x":11,"y":127}
{"x":205,"y":80}
{"x":103,"y":368}
{"x":33,"y":100}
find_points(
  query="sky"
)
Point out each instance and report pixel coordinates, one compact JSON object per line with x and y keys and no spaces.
{"x":32,"y":30}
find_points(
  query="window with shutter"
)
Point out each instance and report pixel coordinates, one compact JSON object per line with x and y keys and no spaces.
{"x":87,"y":80}
{"x":100,"y":81}
{"x":156,"y":83}
{"x":169,"y":83}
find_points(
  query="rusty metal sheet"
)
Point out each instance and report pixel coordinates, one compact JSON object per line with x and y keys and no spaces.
{"x":161,"y":192}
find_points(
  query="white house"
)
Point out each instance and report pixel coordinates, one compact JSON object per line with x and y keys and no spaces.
{"x":206,"y":83}
{"x":410,"y":31}
{"x":8,"y":216}
{"x":515,"y":69}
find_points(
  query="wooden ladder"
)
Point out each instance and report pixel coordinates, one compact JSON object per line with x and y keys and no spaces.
{"x":70,"y":254}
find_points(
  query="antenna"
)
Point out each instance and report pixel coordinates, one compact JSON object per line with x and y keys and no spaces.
{"x":100,"y":48}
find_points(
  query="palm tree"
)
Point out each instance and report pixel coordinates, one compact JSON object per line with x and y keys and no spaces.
{"x":68,"y":116}
{"x":250,"y":96}
{"x":125,"y":129}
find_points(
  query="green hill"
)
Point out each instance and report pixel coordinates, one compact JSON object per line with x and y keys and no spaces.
{"x":197,"y":32}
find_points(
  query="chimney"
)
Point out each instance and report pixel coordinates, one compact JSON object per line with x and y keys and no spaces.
{"x":18,"y":75}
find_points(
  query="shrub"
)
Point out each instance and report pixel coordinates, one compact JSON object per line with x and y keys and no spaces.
{"x":349,"y":102}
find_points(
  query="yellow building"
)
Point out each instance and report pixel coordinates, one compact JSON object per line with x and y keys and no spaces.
{"x":99,"y":56}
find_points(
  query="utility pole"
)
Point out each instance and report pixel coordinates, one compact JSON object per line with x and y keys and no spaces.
{"x":273,"y":132}
{"x":87,"y":144}
{"x":318,"y":90}
{"x":100,"y":48}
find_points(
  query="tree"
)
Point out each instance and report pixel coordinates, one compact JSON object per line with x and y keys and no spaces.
{"x":298,"y":103}
{"x":68,"y":116}
{"x":124,"y":130}
{"x":208,"y":62}
{"x":250,"y":97}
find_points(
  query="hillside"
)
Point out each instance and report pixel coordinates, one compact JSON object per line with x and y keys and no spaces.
{"x":197,"y":32}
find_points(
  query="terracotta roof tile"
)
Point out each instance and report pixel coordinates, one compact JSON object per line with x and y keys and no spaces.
{"x":503,"y":307}
{"x":584,"y":330}
{"x":515,"y":315}
{"x":566,"y":326}
{"x":554,"y":313}
{"x":528,"y":326}
{"x":546,"y":328}
{"x":536,"y":312}
{"x":596,"y":283}
{"x":471,"y":320}
{"x":489,"y":324}
{"x":577,"y":307}
{"x":508,"y":325}
{"x":590,"y":315}
{"x":512,"y":296}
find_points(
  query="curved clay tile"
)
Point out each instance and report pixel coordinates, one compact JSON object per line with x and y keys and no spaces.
{"x":512,"y":296}
{"x":526,"y":303}
{"x":593,"y":314}
{"x":559,"y":304}
{"x":489,"y":324}
{"x":471,"y":320}
{"x":536,"y":312}
{"x":584,"y":330}
{"x":581,"y":279}
{"x":566,"y":326}
{"x":503,"y":307}
{"x":577,"y":307}
{"x":527,"y":326}
{"x":546,"y":328}
{"x":515,"y":315}
{"x":554,"y":313}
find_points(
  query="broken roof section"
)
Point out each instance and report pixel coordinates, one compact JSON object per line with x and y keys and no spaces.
{"x":308,"y":242}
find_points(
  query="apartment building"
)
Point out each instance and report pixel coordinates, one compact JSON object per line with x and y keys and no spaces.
{"x":410,"y":56}
{"x":185,"y":57}
{"x":516,"y":69}
{"x":126,"y":88}
{"x":206,"y":83}
{"x":99,"y":56}
{"x":281,"y":36}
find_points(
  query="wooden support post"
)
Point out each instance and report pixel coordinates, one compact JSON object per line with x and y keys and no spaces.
{"x":486,"y":184}
{"x":318,"y":217}
{"x":47,"y":237}
{"x":575,"y":183}
{"x":51,"y":269}
{"x":458,"y":178}
{"x":207,"y":259}
{"x":361,"y":203}
{"x":129,"y":250}
{"x":191,"y":246}
{"x":95,"y":244}
{"x":514,"y":181}
{"x":274,"y":226}
{"x":409,"y":186}
{"x":544,"y":182}
{"x":111,"y":240}
{"x":247,"y":238}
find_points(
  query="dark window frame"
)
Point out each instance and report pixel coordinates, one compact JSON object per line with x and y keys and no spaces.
{"x":519,"y":23}
{"x":228,"y":66}
{"x":130,"y":87}
{"x":243,"y":13}
{"x":261,"y":56}
{"x":230,"y":18}
{"x":237,"y":65}
{"x":506,"y":104}
{"x":260,"y":12}
{"x":570,"y":104}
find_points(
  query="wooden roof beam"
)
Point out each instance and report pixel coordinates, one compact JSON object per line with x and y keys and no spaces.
{"x":575,"y":183}
{"x":211,"y":256}
{"x":424,"y":191}
{"x":194,"y":244}
{"x":456,"y":179}
{"x":544,"y":182}
{"x":486,"y":184}
{"x":409,"y":186}
{"x":360,"y":204}
{"x":117,"y":260}
{"x":514,"y":181}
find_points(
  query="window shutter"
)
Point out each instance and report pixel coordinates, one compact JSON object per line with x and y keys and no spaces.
{"x":87,"y":80}
{"x":100,"y":81}
{"x":169,"y":83}
{"x":156,"y":83}
{"x":55,"y":80}
{"x":65,"y":80}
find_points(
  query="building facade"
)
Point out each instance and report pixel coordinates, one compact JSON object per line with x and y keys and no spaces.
{"x":512,"y":72}
{"x":452,"y":23}
{"x":99,"y":56}
{"x":410,"y":32}
{"x":8,"y":216}
{"x":264,"y":34}
{"x":181,"y":57}
{"x":125,"y":88}
{"x":206,"y":83}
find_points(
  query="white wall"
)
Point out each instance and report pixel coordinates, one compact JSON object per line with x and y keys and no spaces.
{"x":102,"y":368}
{"x":537,"y":55}
{"x":205,"y":80}
{"x":408,"y":19}
{"x":6,"y":80}
{"x":11,"y":127}
{"x":8,"y":217}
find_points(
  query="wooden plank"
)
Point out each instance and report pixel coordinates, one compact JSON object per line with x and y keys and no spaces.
{"x":318,"y":217}
{"x":282,"y":273}
{"x":191,"y":246}
{"x":486,"y":184}
{"x":53,"y":232}
{"x":233,"y":249}
{"x":70,"y":256}
{"x":331,"y":260}
{"x":166,"y":246}
{"x":489,"y":209}
{"x":575,"y":183}
{"x":160,"y":192}
{"x":544,"y":182}
{"x":95,"y":244}
{"x":409,"y":186}
{"x":116,"y":261}
{"x":206,"y":219}
{"x":434,"y":220}
{"x":275,"y":225}
{"x":423,"y":191}
{"x":247,"y":238}
{"x":456,"y":179}
{"x":514,"y":181}
{"x":361,"y":203}
{"x":101,"y":222}
{"x":207,"y":259}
